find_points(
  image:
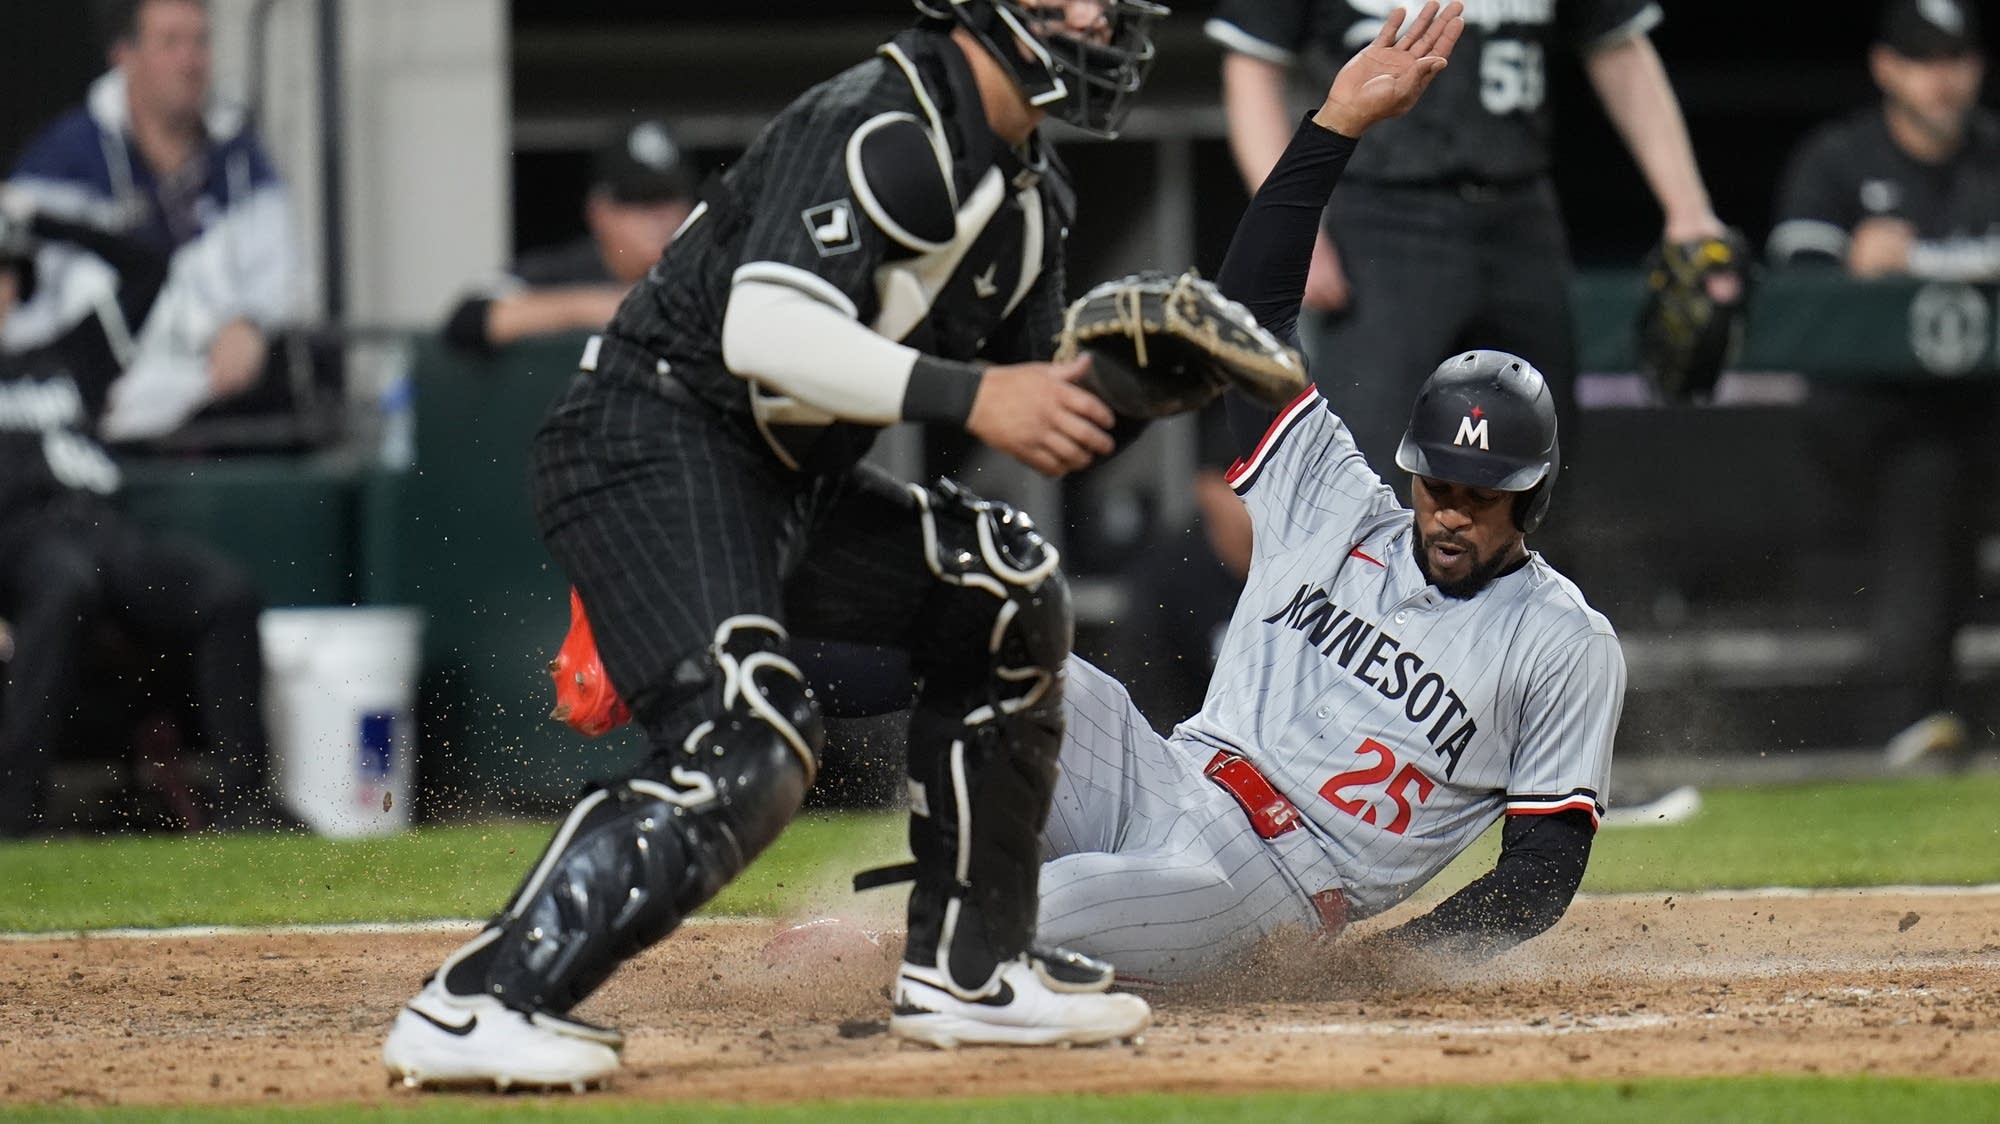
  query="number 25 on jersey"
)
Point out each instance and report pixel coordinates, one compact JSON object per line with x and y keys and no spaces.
{"x":1403,"y":783}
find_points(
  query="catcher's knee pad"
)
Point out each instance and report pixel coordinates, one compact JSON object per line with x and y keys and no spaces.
{"x":985,"y":733}
{"x":636,"y":856}
{"x":1001,"y":606}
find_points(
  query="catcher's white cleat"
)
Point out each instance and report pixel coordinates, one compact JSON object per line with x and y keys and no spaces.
{"x":1023,"y":1005}
{"x":475,"y":1041}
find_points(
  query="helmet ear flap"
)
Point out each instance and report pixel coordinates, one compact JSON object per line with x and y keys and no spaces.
{"x":1532,"y":506}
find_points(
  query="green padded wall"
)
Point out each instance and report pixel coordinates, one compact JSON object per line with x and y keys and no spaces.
{"x":290,"y":522}
{"x":457,"y":538}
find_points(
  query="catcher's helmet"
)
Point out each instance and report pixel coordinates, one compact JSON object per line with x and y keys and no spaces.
{"x":1089,"y":85}
{"x":1486,"y":419}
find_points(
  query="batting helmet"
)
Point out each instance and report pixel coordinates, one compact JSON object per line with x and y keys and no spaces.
{"x":1486,"y":419}
{"x":1090,"y":85}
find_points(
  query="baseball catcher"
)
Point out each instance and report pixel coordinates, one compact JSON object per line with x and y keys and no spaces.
{"x":889,"y":249}
{"x":1691,"y":324}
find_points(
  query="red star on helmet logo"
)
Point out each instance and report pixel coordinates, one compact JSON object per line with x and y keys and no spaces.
{"x":1477,"y":413}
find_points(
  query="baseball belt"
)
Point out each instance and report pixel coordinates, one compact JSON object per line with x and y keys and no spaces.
{"x":1271,"y":815}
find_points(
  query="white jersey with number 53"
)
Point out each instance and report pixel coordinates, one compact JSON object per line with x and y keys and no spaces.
{"x":1402,"y":723}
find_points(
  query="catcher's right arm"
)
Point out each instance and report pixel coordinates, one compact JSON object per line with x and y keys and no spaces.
{"x":1692,"y":321}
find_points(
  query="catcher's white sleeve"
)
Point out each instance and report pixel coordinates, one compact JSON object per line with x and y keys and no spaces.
{"x":803,"y":342}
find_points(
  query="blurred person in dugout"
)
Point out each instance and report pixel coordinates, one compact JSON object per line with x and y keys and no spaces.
{"x":74,"y":569}
{"x":150,"y":152}
{"x":640,"y":192}
{"x":1452,"y":213}
{"x":1909,"y":187}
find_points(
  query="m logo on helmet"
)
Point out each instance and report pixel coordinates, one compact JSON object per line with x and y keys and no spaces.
{"x":1471,"y":432}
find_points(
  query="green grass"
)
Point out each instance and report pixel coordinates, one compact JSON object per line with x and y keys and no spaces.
{"x":1939,"y":831}
{"x":442,"y":872}
{"x":1931,"y":831}
{"x":1821,"y":1101}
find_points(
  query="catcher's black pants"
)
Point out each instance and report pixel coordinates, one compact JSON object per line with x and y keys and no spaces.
{"x":79,"y":562}
{"x":669,"y":521}
{"x":1433,"y":271}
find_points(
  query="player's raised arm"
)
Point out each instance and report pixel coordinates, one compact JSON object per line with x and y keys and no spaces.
{"x":1271,"y":252}
{"x":1266,"y":265}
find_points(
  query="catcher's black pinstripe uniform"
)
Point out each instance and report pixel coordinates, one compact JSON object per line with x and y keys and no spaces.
{"x":699,"y":482}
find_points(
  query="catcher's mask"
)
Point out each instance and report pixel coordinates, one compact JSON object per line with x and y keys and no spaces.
{"x":1088,"y":84}
{"x":1486,"y":419}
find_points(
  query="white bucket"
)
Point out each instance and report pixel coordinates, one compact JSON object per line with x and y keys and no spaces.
{"x":340,"y":690}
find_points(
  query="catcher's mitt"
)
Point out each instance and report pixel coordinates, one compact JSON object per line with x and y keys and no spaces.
{"x":1162,"y":344}
{"x":1692,"y":321}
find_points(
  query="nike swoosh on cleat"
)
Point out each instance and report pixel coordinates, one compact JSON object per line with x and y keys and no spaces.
{"x":461,"y":1031}
{"x":1002,"y":998}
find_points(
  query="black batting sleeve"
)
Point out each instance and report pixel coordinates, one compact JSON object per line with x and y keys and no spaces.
{"x":1540,"y":867}
{"x":1269,"y":255}
{"x":1265,"y":269}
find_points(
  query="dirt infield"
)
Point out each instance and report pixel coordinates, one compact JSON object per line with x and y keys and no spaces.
{"x":1879,"y":982}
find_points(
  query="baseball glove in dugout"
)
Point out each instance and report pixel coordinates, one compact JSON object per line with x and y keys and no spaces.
{"x":1691,"y":325}
{"x":1162,"y":344}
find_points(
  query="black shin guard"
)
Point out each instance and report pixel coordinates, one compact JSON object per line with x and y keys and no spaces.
{"x":985,"y":735}
{"x":635,"y":857}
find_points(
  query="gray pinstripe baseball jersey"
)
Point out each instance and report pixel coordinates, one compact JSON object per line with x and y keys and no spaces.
{"x":1399,"y":723}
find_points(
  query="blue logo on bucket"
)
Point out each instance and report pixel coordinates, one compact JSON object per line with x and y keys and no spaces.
{"x":378,"y":745}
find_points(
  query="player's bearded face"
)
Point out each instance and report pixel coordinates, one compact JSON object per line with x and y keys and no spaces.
{"x":1465,"y":535}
